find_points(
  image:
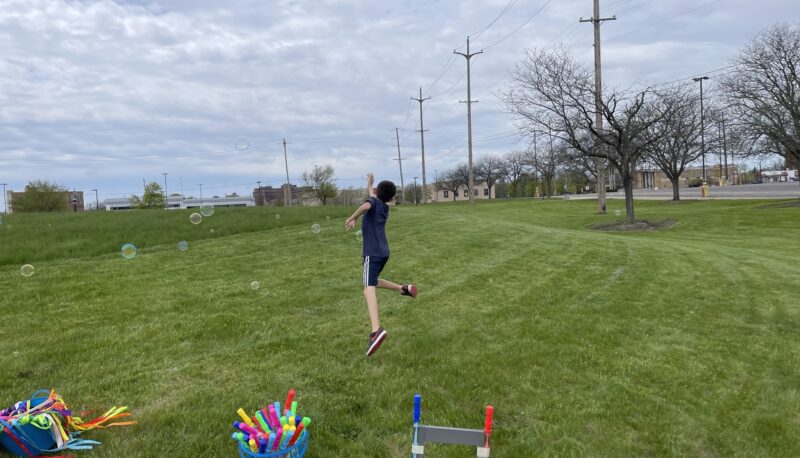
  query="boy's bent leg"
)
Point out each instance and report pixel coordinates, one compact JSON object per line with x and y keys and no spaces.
{"x":372,"y":306}
{"x":389,"y":285}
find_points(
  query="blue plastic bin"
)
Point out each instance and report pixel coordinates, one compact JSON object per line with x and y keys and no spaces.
{"x":38,"y":441}
{"x":295,"y":451}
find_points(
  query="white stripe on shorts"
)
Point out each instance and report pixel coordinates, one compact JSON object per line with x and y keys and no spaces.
{"x":366,"y":270}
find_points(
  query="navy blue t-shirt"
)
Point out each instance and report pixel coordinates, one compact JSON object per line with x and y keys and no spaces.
{"x":373,"y":229}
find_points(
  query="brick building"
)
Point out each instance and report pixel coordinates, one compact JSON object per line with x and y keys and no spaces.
{"x":267,"y":195}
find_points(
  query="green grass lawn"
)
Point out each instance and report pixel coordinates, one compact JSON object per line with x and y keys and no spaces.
{"x":680,"y":342}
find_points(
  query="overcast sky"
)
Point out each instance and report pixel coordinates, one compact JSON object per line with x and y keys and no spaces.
{"x":103,"y":94}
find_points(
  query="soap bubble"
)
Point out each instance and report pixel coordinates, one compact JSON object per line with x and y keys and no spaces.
{"x":277,"y":216}
{"x":242,"y":144}
{"x":183,"y":245}
{"x":255,"y":285}
{"x":328,"y":217}
{"x":206,"y":209}
{"x":359,"y":236}
{"x":26,"y":270}
{"x":617,"y":212}
{"x":211,"y":231}
{"x":195,"y":218}
{"x":315,"y":228}
{"x":16,"y":354}
{"x":128,"y":251}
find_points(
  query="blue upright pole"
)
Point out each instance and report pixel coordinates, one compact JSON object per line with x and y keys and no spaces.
{"x":417,"y":415}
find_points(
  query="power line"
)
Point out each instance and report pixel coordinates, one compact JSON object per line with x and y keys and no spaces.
{"x":532,"y":17}
{"x":645,"y":27}
{"x":505,"y":10}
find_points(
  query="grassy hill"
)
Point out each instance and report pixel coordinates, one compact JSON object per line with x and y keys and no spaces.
{"x":684,"y":341}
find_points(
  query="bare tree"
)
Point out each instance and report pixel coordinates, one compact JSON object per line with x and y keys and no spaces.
{"x":512,"y":168}
{"x":550,"y":91}
{"x":764,"y":92}
{"x":451,"y":180}
{"x":547,"y":160}
{"x":489,"y":169}
{"x":678,"y":143}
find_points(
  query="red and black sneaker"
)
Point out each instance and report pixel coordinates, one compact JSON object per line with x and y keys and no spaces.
{"x":409,"y":290}
{"x":375,"y":340}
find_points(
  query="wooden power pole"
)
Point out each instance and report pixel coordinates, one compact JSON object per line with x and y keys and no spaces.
{"x":596,"y":20}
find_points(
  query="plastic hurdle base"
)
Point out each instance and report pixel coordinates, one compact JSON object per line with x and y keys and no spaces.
{"x":445,"y":435}
{"x":295,"y":451}
{"x":452,"y":436}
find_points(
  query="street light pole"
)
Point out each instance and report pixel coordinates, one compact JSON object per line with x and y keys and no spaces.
{"x":201,"y":193}
{"x":259,"y":199}
{"x":5,"y":203}
{"x":166,"y":194}
{"x":702,"y":125}
{"x":436,"y":185}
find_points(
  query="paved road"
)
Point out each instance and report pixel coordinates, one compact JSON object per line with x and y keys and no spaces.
{"x":790,"y":190}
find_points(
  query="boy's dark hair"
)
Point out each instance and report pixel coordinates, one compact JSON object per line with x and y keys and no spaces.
{"x":385,"y":190}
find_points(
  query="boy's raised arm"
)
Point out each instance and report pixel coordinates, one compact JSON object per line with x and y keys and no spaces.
{"x":370,"y":180}
{"x":351,"y":221}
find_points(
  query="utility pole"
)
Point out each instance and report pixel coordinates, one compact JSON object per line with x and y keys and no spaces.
{"x":400,"y":161}
{"x":596,"y":20}
{"x":201,"y":193}
{"x":702,"y":126}
{"x":422,"y":146}
{"x":5,"y":203}
{"x":96,"y":201}
{"x":469,"y":102}
{"x":436,"y":185}
{"x":416,"y":201}
{"x":725,"y":148}
{"x":259,"y":198}
{"x":288,"y":192}
{"x":166,"y":195}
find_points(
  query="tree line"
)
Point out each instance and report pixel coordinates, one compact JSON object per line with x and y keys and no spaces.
{"x":554,"y":101}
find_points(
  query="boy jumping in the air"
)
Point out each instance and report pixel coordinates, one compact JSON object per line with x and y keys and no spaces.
{"x":376,"y":252}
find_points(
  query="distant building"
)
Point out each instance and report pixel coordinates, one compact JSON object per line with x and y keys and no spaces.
{"x":176,"y":202}
{"x":74,"y":200}
{"x":480,"y":191}
{"x":656,"y":179}
{"x":773,"y":176}
{"x":267,"y":195}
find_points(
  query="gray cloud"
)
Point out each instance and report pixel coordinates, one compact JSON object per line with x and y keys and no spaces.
{"x":102,"y":93}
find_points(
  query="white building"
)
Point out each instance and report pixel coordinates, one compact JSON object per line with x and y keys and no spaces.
{"x":181,"y":203}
